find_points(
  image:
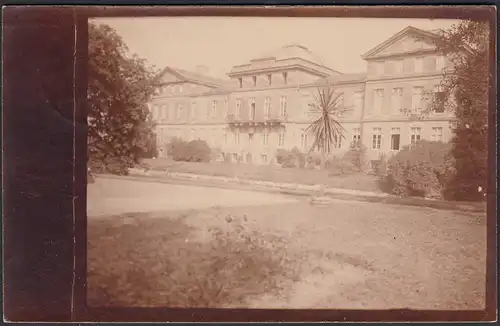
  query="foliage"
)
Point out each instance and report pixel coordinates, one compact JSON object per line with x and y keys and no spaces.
{"x":155,"y":266}
{"x":422,"y":171}
{"x":466,"y":83}
{"x":193,"y":151}
{"x":119,"y":87}
{"x":356,"y":155}
{"x":315,"y":160}
{"x":291,"y":158}
{"x":328,"y":108}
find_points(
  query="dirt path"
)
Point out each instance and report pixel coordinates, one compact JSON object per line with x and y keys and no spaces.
{"x":115,"y":196}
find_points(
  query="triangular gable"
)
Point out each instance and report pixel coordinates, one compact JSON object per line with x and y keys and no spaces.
{"x":410,"y":39}
{"x":169,"y":75}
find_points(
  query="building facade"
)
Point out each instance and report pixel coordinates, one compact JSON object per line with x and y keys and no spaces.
{"x":264,"y":105}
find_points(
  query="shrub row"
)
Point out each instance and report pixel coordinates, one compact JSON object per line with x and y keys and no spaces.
{"x":193,"y":151}
{"x":422,"y":170}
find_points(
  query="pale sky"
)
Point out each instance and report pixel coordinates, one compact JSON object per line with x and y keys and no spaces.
{"x":222,"y":42}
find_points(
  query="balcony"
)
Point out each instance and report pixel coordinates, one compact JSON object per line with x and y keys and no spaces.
{"x":270,"y":120}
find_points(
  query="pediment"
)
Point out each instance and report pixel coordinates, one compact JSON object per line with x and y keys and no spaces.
{"x":169,"y":77}
{"x":407,"y":44}
{"x":409,"y":40}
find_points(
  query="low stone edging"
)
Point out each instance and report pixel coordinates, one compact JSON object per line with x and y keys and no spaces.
{"x":299,"y":189}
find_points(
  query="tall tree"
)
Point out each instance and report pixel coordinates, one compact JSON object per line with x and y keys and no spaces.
{"x":119,"y":87}
{"x":466,"y":83}
{"x":326,"y":128}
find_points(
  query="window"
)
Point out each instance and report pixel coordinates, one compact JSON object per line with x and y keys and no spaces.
{"x":214,"y":109}
{"x":395,"y":139}
{"x":437,"y":134}
{"x":285,"y":77}
{"x":193,"y":110}
{"x":250,"y":139}
{"x":379,"y":101}
{"x":154,"y":111}
{"x":254,"y":80}
{"x":377,"y":138}
{"x":236,"y":138}
{"x":283,"y":106}
{"x":419,"y":64}
{"x":265,"y":138}
{"x":225,"y":107}
{"x":165,"y":111}
{"x":356,"y":137}
{"x":303,"y":141}
{"x":238,"y":107}
{"x":398,"y":66}
{"x":340,"y":100}
{"x":397,"y":100}
{"x":281,"y":139}
{"x":179,"y":111}
{"x":440,"y":99}
{"x":180,"y":88}
{"x":415,"y":135}
{"x":439,"y":63}
{"x":267,"y":107}
{"x":270,"y":79}
{"x":240,"y":80}
{"x":225,"y":138}
{"x":263,"y":158}
{"x":252,"y":109}
{"x":416,"y":100}
{"x":337,"y":141}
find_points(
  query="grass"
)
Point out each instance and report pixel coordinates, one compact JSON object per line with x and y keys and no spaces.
{"x":146,"y":260}
{"x":356,"y":181}
{"x":361,"y":256}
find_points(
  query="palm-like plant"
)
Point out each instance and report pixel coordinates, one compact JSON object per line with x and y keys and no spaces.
{"x":326,"y":128}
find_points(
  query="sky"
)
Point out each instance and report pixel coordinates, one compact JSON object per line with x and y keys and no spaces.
{"x":222,"y":42}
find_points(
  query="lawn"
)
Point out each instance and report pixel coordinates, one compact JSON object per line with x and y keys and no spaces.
{"x":355,"y":181}
{"x":290,"y":255}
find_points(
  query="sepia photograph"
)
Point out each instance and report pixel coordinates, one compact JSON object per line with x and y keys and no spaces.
{"x":287,"y":162}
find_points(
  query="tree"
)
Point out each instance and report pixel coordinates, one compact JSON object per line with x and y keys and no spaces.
{"x":119,"y":87}
{"x":466,"y":83}
{"x":326,"y":129}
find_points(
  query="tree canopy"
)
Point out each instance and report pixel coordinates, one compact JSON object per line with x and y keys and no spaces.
{"x":119,"y":87}
{"x":466,"y":84}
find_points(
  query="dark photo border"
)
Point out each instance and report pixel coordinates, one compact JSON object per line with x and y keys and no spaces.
{"x":44,"y":166}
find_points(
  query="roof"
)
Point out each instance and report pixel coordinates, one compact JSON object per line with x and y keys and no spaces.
{"x":341,"y":79}
{"x":293,"y":51}
{"x":398,"y":36}
{"x":194,"y":77}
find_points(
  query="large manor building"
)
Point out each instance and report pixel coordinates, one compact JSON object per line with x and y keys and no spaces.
{"x":264,"y":104}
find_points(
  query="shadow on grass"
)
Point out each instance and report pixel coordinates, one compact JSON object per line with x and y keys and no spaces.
{"x":147,"y":260}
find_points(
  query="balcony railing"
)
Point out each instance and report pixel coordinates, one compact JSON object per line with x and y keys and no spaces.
{"x":255,"y":121}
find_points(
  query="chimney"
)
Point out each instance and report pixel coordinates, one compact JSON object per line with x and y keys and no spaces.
{"x":202,"y":70}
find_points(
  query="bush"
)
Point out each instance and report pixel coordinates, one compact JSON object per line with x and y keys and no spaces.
{"x":356,"y":156}
{"x":421,"y":171}
{"x":193,"y":151}
{"x":290,"y":158}
{"x":313,"y":160}
{"x":339,"y":166}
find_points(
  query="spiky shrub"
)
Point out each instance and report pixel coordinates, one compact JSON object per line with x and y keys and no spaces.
{"x":326,"y":128}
